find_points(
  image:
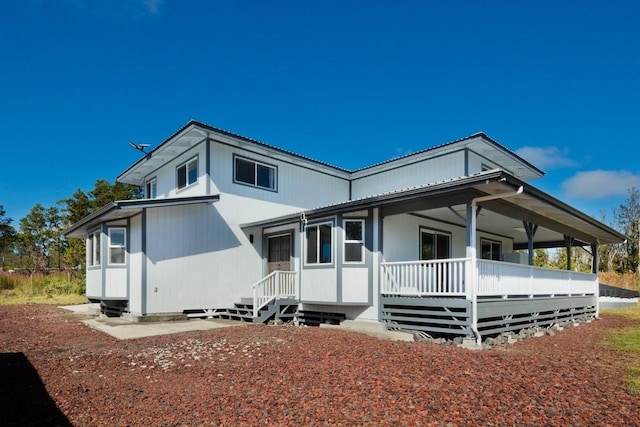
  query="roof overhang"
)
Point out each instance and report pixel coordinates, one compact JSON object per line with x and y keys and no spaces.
{"x":127,"y":208}
{"x":501,"y":215}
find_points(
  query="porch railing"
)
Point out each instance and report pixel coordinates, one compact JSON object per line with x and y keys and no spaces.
{"x":278,"y":284}
{"x":494,"y":278}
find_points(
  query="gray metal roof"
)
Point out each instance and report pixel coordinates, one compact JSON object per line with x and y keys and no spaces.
{"x":127,"y":208}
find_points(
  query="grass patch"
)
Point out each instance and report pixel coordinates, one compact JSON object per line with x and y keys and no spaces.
{"x":628,"y":339}
{"x":42,"y":288}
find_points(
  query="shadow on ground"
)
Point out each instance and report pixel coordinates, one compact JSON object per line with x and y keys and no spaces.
{"x":23,"y":397}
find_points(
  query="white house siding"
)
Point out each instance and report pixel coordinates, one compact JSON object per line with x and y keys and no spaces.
{"x":115,"y":283}
{"x":355,"y":285}
{"x":94,"y":283}
{"x":478,"y":163}
{"x":386,"y":178}
{"x":319,"y":285}
{"x":135,"y":264}
{"x":197,"y":260}
{"x":166,"y":176}
{"x":297,"y":184}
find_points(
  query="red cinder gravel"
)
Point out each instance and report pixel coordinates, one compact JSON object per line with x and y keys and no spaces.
{"x":54,"y":370}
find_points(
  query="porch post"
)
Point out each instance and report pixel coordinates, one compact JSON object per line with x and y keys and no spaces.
{"x":531,"y":229}
{"x":568,"y":240}
{"x":594,"y":270}
{"x":471,"y":272}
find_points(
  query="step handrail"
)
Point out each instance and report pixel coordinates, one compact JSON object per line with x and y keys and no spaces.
{"x":275,"y":285}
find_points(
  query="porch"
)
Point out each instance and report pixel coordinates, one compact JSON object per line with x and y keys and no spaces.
{"x":478,"y":298}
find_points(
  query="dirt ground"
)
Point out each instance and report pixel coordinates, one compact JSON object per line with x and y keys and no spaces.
{"x":54,"y":370}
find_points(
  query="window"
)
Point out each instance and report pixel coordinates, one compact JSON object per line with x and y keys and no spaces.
{"x":434,"y":245}
{"x":490,"y":250}
{"x":353,"y":241}
{"x":319,"y":244}
{"x":253,"y":173}
{"x":117,"y":245}
{"x":94,"y":248}
{"x":187,"y":173}
{"x":151,"y":189}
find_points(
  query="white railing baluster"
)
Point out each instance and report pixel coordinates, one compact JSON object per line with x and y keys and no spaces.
{"x":278,"y":284}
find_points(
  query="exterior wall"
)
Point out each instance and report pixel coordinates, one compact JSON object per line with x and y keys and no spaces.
{"x":297,"y":185}
{"x":197,"y":259}
{"x":135,"y":264}
{"x":478,"y":163}
{"x":166,"y":176}
{"x":94,"y":283}
{"x":406,"y":175}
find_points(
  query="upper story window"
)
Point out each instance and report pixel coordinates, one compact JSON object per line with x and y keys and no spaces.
{"x":117,"y":245}
{"x":319,"y":244}
{"x":151,"y":189}
{"x":251,"y":172}
{"x":93,"y":251}
{"x":187,"y":173}
{"x":353,"y":240}
{"x":490,"y":249}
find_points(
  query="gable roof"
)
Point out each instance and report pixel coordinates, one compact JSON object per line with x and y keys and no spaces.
{"x":194,"y":132}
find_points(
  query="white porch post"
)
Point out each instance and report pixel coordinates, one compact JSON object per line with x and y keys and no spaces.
{"x":471,"y":272}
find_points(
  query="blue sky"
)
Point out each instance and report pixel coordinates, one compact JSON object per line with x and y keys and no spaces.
{"x":351,"y":83}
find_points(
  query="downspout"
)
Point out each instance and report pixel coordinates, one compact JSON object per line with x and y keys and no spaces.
{"x":471,"y":254}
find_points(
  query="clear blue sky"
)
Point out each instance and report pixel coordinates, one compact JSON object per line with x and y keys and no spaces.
{"x":350,"y":83}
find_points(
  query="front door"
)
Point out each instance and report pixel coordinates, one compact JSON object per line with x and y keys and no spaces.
{"x":279,"y":248}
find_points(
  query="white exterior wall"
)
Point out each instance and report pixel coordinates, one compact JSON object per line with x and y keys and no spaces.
{"x":478,"y":163}
{"x":319,"y":285}
{"x":297,"y":185}
{"x":135,"y":264}
{"x":197,"y":260}
{"x":166,"y":176}
{"x":94,"y":283}
{"x":427,"y":171}
{"x":116,"y":283}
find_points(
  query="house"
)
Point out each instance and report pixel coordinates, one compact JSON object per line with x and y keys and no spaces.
{"x":440,"y":240}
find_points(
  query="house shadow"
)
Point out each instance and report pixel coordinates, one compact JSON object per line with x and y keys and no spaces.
{"x":24,"y":401}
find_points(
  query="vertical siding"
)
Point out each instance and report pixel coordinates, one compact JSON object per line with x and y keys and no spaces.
{"x":116,"y":282}
{"x":297,"y":185}
{"x":166,"y":175}
{"x":136,"y":258}
{"x":94,"y":283}
{"x":423,"y":172}
{"x":355,"y":285}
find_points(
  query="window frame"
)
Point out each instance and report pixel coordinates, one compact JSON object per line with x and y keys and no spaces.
{"x":491,"y":243}
{"x":435,"y":233}
{"x":151,"y":184}
{"x":112,"y":246}
{"x":185,"y":165}
{"x":256,"y":165}
{"x":346,"y":241}
{"x":318,"y":249}
{"x":94,"y":250}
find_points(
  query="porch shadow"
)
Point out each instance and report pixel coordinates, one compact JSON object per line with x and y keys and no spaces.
{"x":23,"y":397}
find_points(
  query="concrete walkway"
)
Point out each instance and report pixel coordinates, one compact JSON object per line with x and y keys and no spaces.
{"x":122,"y":329}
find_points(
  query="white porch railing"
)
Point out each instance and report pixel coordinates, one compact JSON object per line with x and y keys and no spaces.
{"x":493,"y":278}
{"x":278,"y":284}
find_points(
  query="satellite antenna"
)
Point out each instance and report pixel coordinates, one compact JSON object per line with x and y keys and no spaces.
{"x":139,"y":147}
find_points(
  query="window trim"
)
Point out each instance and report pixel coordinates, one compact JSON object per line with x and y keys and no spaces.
{"x":345,"y":241}
{"x":94,"y":251}
{"x":256,"y":163}
{"x":435,"y":233}
{"x":186,"y":171}
{"x":318,"y":262}
{"x":111,"y":246}
{"x":154,"y":183}
{"x":491,"y":242}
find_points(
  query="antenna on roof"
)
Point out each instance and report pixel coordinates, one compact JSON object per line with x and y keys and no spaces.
{"x":140,"y":147}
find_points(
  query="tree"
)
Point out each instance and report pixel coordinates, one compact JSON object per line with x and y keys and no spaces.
{"x":34,"y":234}
{"x":7,"y":234}
{"x":628,"y":215}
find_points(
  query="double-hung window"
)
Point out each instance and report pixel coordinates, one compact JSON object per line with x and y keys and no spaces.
{"x":353,"y":240}
{"x":251,"y":172}
{"x":117,"y":245}
{"x":151,"y":189}
{"x":93,"y":251}
{"x":187,"y":173}
{"x":319,"y":244}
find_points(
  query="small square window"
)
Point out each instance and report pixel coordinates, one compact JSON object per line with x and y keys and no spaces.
{"x":117,"y":245}
{"x":187,"y":173}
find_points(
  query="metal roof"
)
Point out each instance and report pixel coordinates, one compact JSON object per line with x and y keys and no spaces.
{"x":127,"y":208}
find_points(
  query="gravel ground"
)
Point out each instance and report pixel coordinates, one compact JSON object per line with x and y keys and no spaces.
{"x":54,"y":370}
